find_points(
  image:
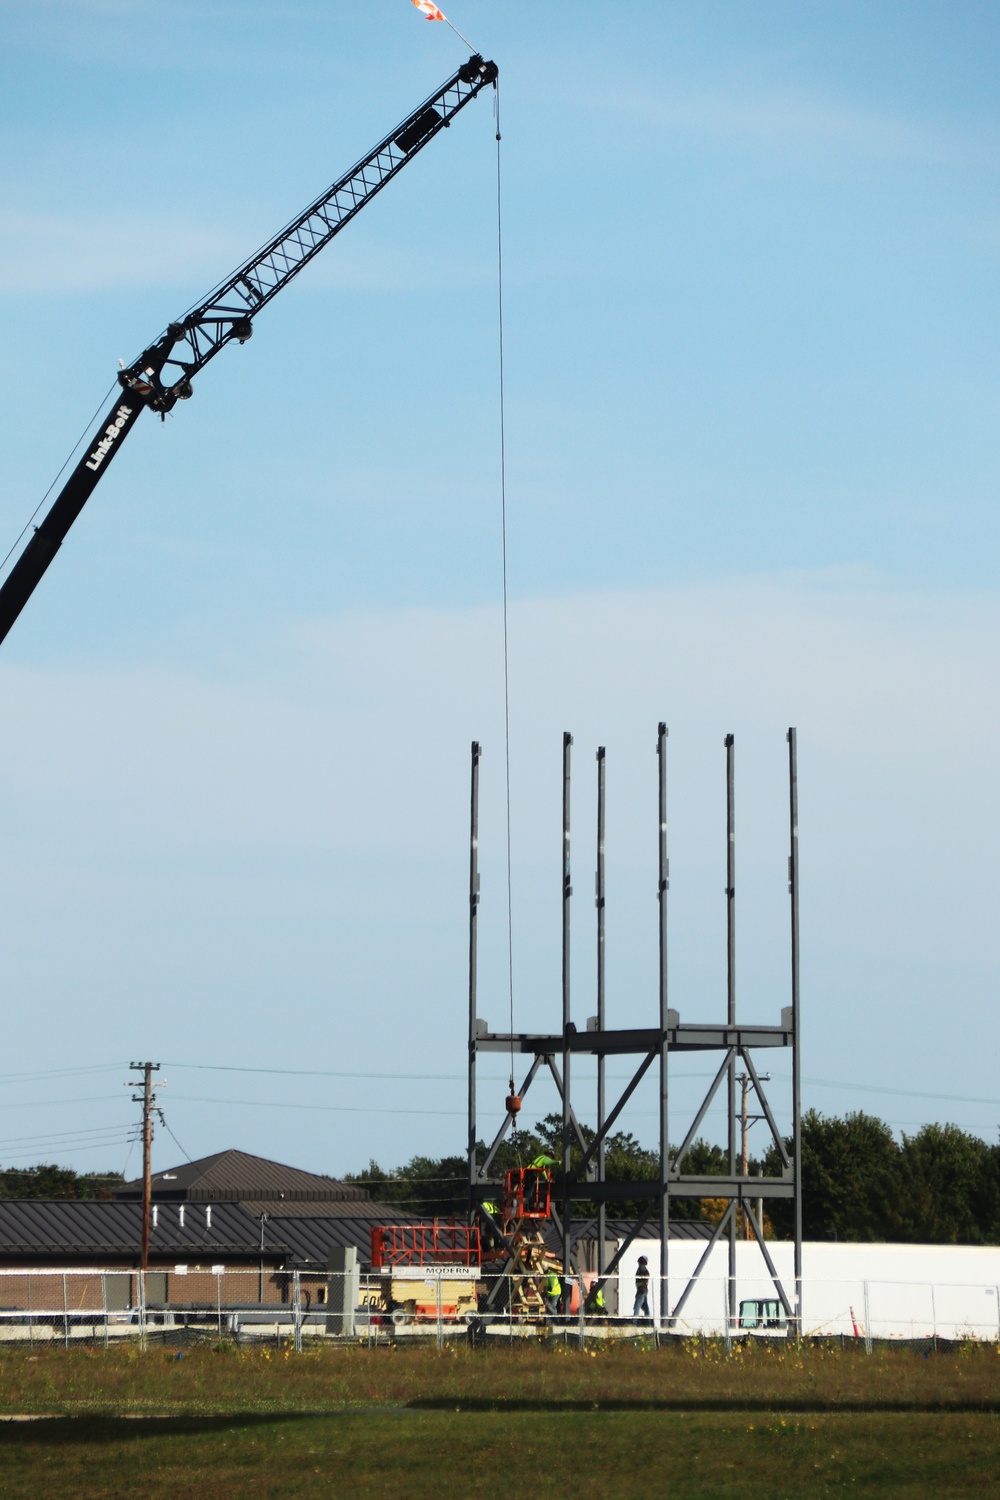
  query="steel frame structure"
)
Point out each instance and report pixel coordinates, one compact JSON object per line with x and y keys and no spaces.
{"x":735,"y":1041}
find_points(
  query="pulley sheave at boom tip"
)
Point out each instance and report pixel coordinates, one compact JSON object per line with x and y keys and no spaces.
{"x":162,"y":374}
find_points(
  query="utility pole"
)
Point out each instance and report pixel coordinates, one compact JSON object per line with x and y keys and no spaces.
{"x":145,"y":1098}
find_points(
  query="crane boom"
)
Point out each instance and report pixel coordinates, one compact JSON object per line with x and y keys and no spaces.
{"x":162,"y":374}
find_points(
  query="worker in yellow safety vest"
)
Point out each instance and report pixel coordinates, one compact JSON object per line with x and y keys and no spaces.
{"x":595,"y":1304}
{"x":551,"y":1292}
{"x":491,"y":1237}
{"x":536,"y":1188}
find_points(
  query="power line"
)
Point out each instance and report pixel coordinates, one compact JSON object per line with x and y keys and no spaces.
{"x":128,"y":1156}
{"x":677,"y":1079}
{"x":359,"y":1180}
{"x":318,"y":1073}
{"x":164,"y":1122}
{"x":348,"y":1109}
{"x":875,"y":1088}
{"x":49,"y":1103}
{"x":66,"y":463}
{"x":65,"y":1137}
{"x":60,"y":1073}
{"x":96,"y":1146}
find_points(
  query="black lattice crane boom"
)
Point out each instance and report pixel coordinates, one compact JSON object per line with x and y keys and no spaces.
{"x":163,"y":372}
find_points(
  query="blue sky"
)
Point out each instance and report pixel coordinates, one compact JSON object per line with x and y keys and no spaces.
{"x":751,"y":333}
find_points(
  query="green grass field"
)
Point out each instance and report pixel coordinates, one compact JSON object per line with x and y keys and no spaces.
{"x":623,"y":1421}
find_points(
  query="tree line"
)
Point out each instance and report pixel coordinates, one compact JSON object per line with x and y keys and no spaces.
{"x":57,"y":1182}
{"x":940,"y":1186}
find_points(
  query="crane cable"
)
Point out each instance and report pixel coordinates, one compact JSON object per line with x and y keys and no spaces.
{"x":503,"y":545}
{"x":68,"y":460}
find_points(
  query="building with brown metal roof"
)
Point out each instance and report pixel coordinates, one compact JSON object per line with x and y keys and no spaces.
{"x":237,"y":1177}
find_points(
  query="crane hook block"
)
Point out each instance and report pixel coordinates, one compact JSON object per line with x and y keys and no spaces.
{"x":478,"y":68}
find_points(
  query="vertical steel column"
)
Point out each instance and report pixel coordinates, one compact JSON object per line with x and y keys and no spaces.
{"x":731,"y":998}
{"x":567,"y":892}
{"x":473,"y":966}
{"x":602,"y":1208}
{"x":793,"y":891}
{"x":663,"y":876}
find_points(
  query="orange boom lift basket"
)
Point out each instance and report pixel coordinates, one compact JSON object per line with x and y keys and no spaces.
{"x":435,"y":1244}
{"x":529,"y":1193}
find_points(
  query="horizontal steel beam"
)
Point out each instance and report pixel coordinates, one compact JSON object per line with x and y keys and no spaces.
{"x":681,"y":1038}
{"x":732,"y":1187}
{"x":678,"y":1187}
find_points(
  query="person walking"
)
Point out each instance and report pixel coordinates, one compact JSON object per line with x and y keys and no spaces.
{"x":641,"y":1308}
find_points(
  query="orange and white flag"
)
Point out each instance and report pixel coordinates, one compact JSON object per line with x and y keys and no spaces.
{"x":432,"y":12}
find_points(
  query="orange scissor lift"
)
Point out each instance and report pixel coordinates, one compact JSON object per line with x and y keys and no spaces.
{"x":427,"y":1271}
{"x":526,"y":1208}
{"x":430,"y":1271}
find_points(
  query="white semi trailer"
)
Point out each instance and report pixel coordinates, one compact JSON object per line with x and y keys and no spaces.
{"x":882,"y":1291}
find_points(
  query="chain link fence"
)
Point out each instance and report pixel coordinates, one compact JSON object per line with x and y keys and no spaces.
{"x":184,"y":1304}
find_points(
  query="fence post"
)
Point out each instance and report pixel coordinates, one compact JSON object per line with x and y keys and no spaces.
{"x":297,"y":1312}
{"x":438,"y":1310}
{"x":31,"y":1321}
{"x":934,"y":1316}
{"x":141,"y":1277}
{"x":343,"y":1291}
{"x":582,"y":1299}
{"x":868,"y":1322}
{"x":65,"y":1314}
{"x":104,"y":1304}
{"x":218,"y":1299}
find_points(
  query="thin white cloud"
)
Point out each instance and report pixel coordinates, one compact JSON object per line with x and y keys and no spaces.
{"x":42,"y":253}
{"x":891,"y":693}
{"x":796,"y":123}
{"x":882,"y":684}
{"x":48,"y":254}
{"x":371,"y":266}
